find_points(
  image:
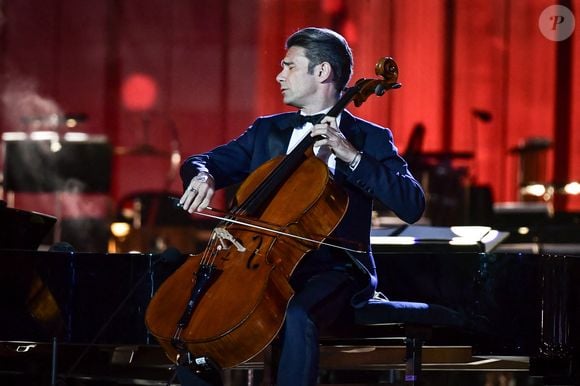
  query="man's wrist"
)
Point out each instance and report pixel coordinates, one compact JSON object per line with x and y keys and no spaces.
{"x":203,"y":176}
{"x":355,"y":161}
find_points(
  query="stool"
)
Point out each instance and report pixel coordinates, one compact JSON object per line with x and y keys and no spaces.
{"x":418,"y":319}
{"x":376,"y":320}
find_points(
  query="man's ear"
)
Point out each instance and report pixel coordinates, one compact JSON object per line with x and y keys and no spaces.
{"x":324,"y":72}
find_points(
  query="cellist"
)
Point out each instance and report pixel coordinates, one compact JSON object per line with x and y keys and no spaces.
{"x":362,"y":158}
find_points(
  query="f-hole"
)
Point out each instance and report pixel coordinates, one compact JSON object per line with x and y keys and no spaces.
{"x":249,"y":263}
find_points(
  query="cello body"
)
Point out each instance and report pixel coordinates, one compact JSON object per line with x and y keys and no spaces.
{"x":243,"y":307}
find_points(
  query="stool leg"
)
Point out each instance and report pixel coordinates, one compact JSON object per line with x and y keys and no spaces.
{"x":271,"y":356}
{"x":414,"y":346}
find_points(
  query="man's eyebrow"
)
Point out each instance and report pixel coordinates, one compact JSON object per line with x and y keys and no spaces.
{"x":286,"y":63}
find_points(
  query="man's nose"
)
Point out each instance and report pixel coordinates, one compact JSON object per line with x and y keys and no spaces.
{"x":280,"y":77}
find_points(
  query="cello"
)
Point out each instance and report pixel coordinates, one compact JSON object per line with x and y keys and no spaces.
{"x":228,"y":303}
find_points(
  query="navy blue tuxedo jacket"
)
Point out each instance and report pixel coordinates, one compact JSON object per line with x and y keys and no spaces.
{"x":381,"y":174}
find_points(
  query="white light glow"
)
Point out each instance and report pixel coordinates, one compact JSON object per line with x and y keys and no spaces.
{"x":76,"y":137}
{"x":490,"y":236}
{"x":44,"y":135}
{"x":462,"y":241}
{"x":71,"y":122}
{"x":120,"y":229}
{"x":537,"y":190}
{"x":392,"y":240}
{"x":55,"y":146}
{"x":175,"y":158}
{"x":572,"y":188}
{"x":470,"y":232}
{"x":14,"y":136}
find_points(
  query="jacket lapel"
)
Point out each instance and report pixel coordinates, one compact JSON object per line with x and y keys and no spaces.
{"x":279,"y":136}
{"x":350,"y":129}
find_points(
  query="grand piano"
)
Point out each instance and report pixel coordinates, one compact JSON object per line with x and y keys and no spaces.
{"x":77,"y":315}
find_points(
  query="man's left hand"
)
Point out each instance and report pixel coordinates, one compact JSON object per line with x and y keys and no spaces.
{"x":333,"y":138}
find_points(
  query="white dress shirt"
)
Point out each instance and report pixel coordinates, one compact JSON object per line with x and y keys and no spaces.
{"x":300,"y":132}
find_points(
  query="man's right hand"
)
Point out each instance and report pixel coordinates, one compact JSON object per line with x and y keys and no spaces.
{"x":198,"y":194}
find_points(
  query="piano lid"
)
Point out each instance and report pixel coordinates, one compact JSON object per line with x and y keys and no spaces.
{"x":21,"y":229}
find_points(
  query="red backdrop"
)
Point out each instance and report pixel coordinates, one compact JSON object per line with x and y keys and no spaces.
{"x":207,"y":69}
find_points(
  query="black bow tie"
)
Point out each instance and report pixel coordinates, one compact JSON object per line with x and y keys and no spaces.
{"x":301,"y":120}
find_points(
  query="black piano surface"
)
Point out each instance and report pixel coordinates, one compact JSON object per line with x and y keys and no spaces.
{"x":519,"y":304}
{"x":77,"y":297}
{"x":516,"y":304}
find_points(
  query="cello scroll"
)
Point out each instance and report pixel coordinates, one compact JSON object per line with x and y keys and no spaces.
{"x":387,"y":68}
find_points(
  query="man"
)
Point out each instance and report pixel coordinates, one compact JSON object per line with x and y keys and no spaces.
{"x":364,"y":162}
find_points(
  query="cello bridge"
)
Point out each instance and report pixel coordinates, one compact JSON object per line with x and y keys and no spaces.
{"x":223,"y":235}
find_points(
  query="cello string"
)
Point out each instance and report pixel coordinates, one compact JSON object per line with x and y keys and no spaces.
{"x":205,"y":259}
{"x":211,"y":251}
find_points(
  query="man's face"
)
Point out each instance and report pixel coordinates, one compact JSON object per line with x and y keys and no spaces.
{"x":297,"y":85}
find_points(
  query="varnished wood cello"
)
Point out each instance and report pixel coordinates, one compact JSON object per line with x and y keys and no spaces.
{"x":228,"y":303}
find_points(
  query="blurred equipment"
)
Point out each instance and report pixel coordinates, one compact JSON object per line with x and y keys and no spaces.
{"x":533,"y":182}
{"x":445,"y":184}
{"x":150,"y":222}
{"x":146,"y":149}
{"x":49,"y":162}
{"x":76,"y":167}
{"x":536,"y":227}
{"x":53,"y":121}
{"x":482,"y":115}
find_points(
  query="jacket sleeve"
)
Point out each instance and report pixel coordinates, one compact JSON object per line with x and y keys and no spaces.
{"x":228,"y":164}
{"x":383,"y":174}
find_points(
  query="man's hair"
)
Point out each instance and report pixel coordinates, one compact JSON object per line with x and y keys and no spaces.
{"x":324,"y":45}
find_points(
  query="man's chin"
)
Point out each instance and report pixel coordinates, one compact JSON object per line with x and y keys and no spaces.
{"x":291,"y":102}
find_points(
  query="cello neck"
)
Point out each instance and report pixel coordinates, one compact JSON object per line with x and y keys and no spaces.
{"x":362,"y":89}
